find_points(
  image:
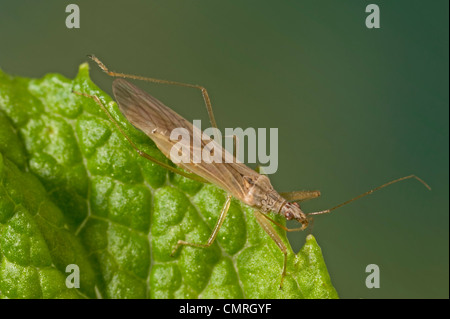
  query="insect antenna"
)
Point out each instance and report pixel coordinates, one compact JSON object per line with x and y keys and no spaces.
{"x":326,"y":211}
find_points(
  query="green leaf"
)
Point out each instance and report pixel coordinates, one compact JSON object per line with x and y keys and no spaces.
{"x":73,"y":191}
{"x":35,"y":243}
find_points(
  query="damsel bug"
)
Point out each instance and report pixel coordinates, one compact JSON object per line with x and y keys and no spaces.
{"x":157,"y":121}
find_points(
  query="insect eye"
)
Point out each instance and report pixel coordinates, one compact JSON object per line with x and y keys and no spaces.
{"x":288,"y":216}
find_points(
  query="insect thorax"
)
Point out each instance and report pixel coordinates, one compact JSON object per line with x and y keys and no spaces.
{"x":261,"y":195}
{"x":272,"y":202}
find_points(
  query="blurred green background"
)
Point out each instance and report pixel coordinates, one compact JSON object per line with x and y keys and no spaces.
{"x":355,"y":107}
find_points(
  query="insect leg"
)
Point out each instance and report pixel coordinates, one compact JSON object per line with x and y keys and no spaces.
{"x":159,"y":81}
{"x":299,"y":196}
{"x":139,"y":151}
{"x":282,"y":226}
{"x":265,"y":224}
{"x":215,"y":231}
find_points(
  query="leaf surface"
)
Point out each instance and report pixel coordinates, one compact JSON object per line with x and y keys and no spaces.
{"x":73,"y":191}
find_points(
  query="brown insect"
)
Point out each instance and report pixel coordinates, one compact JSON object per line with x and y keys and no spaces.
{"x":157,"y":121}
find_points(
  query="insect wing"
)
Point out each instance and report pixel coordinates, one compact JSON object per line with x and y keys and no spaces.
{"x":158,"y":121}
